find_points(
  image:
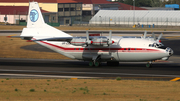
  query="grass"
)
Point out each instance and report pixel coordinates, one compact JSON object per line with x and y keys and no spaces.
{"x":98,"y":90}
{"x":16,"y":89}
{"x":10,"y":48}
{"x":118,"y":78}
{"x":32,"y":90}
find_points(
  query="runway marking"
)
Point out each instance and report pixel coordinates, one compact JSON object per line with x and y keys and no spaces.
{"x":173,"y":37}
{"x":175,"y":79}
{"x":12,"y":35}
{"x":51,"y":76}
{"x":93,"y":73}
{"x":74,"y":78}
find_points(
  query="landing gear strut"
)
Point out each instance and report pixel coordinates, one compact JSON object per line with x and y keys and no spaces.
{"x":149,"y":64}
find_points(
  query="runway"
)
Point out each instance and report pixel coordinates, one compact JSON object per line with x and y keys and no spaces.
{"x":47,"y":68}
{"x":43,"y":68}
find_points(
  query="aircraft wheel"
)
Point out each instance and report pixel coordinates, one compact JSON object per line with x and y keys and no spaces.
{"x":149,"y":65}
{"x":91,"y":63}
{"x":97,"y":64}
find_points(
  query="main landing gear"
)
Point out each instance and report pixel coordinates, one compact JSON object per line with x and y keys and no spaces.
{"x":97,"y":64}
{"x":95,"y":61}
{"x":149,"y":64}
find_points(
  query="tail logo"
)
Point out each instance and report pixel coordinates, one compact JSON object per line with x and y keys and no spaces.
{"x":34,"y":15}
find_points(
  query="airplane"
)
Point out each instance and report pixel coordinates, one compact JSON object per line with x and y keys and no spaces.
{"x":95,"y":49}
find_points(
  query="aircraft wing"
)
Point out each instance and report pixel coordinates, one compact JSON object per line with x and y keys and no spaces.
{"x":67,"y":38}
{"x":56,"y":39}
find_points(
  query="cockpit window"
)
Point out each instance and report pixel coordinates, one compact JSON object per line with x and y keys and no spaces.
{"x":156,"y":45}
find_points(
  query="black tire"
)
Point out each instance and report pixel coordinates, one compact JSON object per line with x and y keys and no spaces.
{"x":97,"y":64}
{"x":91,"y":63}
{"x":148,"y":65}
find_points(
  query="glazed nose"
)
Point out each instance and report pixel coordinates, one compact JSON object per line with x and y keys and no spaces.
{"x":170,"y":51}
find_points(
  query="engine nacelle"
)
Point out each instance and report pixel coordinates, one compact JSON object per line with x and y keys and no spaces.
{"x":102,"y":42}
{"x":79,"y":41}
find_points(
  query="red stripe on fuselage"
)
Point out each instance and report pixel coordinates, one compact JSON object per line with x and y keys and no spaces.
{"x":103,"y":49}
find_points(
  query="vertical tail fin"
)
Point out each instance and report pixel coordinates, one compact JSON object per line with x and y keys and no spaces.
{"x":35,"y":18}
{"x":36,"y":26}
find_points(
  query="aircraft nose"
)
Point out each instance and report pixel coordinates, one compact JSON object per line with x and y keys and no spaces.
{"x":170,"y":51}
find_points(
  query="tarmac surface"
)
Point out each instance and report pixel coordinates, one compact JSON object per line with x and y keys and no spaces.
{"x":48,"y":68}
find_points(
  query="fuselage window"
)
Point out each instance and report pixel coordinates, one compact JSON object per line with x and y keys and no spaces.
{"x":129,"y":49}
{"x":124,"y":48}
{"x":74,"y":48}
{"x":79,"y":49}
{"x":135,"y":49}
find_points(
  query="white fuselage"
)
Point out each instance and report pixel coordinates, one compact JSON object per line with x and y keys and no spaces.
{"x":124,"y":49}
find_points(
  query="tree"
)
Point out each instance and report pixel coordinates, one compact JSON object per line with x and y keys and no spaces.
{"x":171,"y":2}
{"x":129,"y":2}
{"x":157,"y":3}
{"x":139,"y":3}
{"x":122,"y":1}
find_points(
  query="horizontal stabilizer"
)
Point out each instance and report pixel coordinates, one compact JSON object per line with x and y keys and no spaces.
{"x":22,"y":37}
{"x":56,"y":39}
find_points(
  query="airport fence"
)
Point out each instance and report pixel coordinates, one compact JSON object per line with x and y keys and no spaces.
{"x":149,"y":22}
{"x":125,"y":22}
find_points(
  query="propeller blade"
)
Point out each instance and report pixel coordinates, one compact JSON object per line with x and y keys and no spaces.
{"x":145,"y":33}
{"x":110,"y":36}
{"x":153,"y":35}
{"x":87,"y":35}
{"x":160,"y":36}
{"x":87,"y":38}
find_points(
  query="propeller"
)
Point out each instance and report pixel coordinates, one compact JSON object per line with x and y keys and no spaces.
{"x":145,"y":33}
{"x":153,"y":35}
{"x":87,"y":38}
{"x":159,"y":37}
{"x":110,"y":37}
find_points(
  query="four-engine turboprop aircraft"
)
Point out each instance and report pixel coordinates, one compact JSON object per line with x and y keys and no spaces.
{"x":95,"y":49}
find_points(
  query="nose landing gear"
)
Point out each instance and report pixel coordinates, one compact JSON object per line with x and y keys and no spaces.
{"x":149,"y":64}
